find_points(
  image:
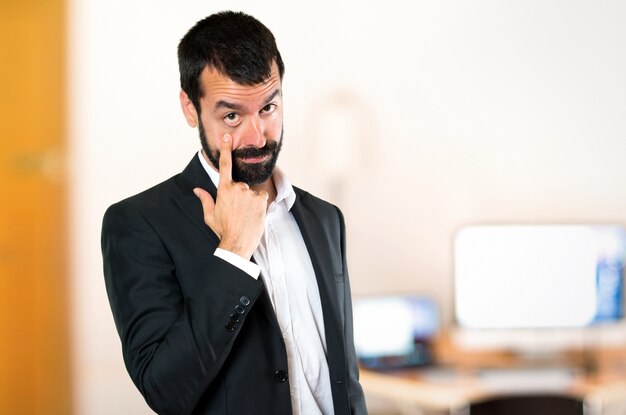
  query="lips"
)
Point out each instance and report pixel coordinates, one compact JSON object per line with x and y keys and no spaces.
{"x":252,"y":160}
{"x":253,"y":155}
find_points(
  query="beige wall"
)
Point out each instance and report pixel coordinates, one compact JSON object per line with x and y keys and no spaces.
{"x":416,"y":117}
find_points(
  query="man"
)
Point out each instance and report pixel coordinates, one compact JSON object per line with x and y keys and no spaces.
{"x":228,"y":286}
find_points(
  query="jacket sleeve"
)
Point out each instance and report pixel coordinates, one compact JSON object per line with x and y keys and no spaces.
{"x":173,"y":342}
{"x":355,"y":391}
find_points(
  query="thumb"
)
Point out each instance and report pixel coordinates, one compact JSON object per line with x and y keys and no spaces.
{"x":208,"y":205}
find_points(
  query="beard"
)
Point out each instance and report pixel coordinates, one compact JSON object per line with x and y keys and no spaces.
{"x":249,"y":173}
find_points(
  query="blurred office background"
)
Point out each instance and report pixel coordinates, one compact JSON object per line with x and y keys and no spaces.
{"x":415,"y":117}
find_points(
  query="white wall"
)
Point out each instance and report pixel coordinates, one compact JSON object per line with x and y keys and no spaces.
{"x":416,"y":117}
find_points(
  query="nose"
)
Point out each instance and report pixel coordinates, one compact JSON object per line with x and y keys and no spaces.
{"x":253,"y":133}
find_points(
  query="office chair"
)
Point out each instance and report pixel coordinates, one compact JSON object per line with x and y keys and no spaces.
{"x":529,"y":405}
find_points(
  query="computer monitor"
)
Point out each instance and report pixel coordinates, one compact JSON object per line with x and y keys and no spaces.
{"x":394,"y":331}
{"x":539,"y":287}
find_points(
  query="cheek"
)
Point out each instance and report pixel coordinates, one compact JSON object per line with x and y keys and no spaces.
{"x":214,"y":132}
{"x":274,"y":127}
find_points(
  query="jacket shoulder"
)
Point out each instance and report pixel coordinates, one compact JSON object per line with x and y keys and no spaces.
{"x":154,"y":198}
{"x":323,"y":207}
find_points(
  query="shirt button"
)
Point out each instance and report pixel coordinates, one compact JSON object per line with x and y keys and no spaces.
{"x":244,"y":301}
{"x":280,"y":376}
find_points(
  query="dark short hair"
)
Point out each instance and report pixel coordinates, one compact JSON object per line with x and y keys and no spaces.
{"x":233,"y":43}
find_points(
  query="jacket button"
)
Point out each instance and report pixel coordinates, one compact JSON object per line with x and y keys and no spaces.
{"x":235,"y":318}
{"x":230,"y":326}
{"x":240,"y":309}
{"x":280,"y":376}
{"x":244,"y":301}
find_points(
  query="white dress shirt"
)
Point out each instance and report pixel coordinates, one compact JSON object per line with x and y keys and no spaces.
{"x":287,"y":272}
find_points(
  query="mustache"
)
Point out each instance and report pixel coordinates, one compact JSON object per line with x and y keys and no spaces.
{"x":252,"y":152}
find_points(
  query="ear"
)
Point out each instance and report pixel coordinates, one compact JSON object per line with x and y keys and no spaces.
{"x":189,"y":110}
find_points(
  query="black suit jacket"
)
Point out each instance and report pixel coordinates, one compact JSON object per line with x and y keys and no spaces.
{"x":200,"y":336}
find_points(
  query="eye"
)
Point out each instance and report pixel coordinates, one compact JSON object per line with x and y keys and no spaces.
{"x":232,"y":119}
{"x":268,"y":109}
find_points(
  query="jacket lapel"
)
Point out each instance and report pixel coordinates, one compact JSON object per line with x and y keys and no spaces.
{"x":194,"y":176}
{"x":324,"y":264}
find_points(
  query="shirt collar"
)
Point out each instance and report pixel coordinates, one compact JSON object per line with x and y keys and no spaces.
{"x":284,"y":189}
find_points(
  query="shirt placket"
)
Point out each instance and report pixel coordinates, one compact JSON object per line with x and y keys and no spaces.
{"x":283,"y":312}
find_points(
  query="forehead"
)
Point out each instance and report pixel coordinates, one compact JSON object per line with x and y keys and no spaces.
{"x":219,"y":87}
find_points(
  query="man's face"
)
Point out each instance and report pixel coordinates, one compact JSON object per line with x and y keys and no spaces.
{"x":252,"y":115}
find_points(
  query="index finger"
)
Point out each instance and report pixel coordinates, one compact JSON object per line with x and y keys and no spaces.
{"x":226,"y":162}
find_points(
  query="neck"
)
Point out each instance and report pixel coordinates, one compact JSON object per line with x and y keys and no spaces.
{"x":267,"y":186}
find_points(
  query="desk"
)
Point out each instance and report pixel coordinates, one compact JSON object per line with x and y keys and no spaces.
{"x":598,"y":378}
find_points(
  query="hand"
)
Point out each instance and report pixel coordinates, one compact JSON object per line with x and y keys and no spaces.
{"x":238,"y":214}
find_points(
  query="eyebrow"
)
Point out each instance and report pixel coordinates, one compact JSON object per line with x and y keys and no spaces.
{"x":236,"y":107}
{"x":271,"y":97}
